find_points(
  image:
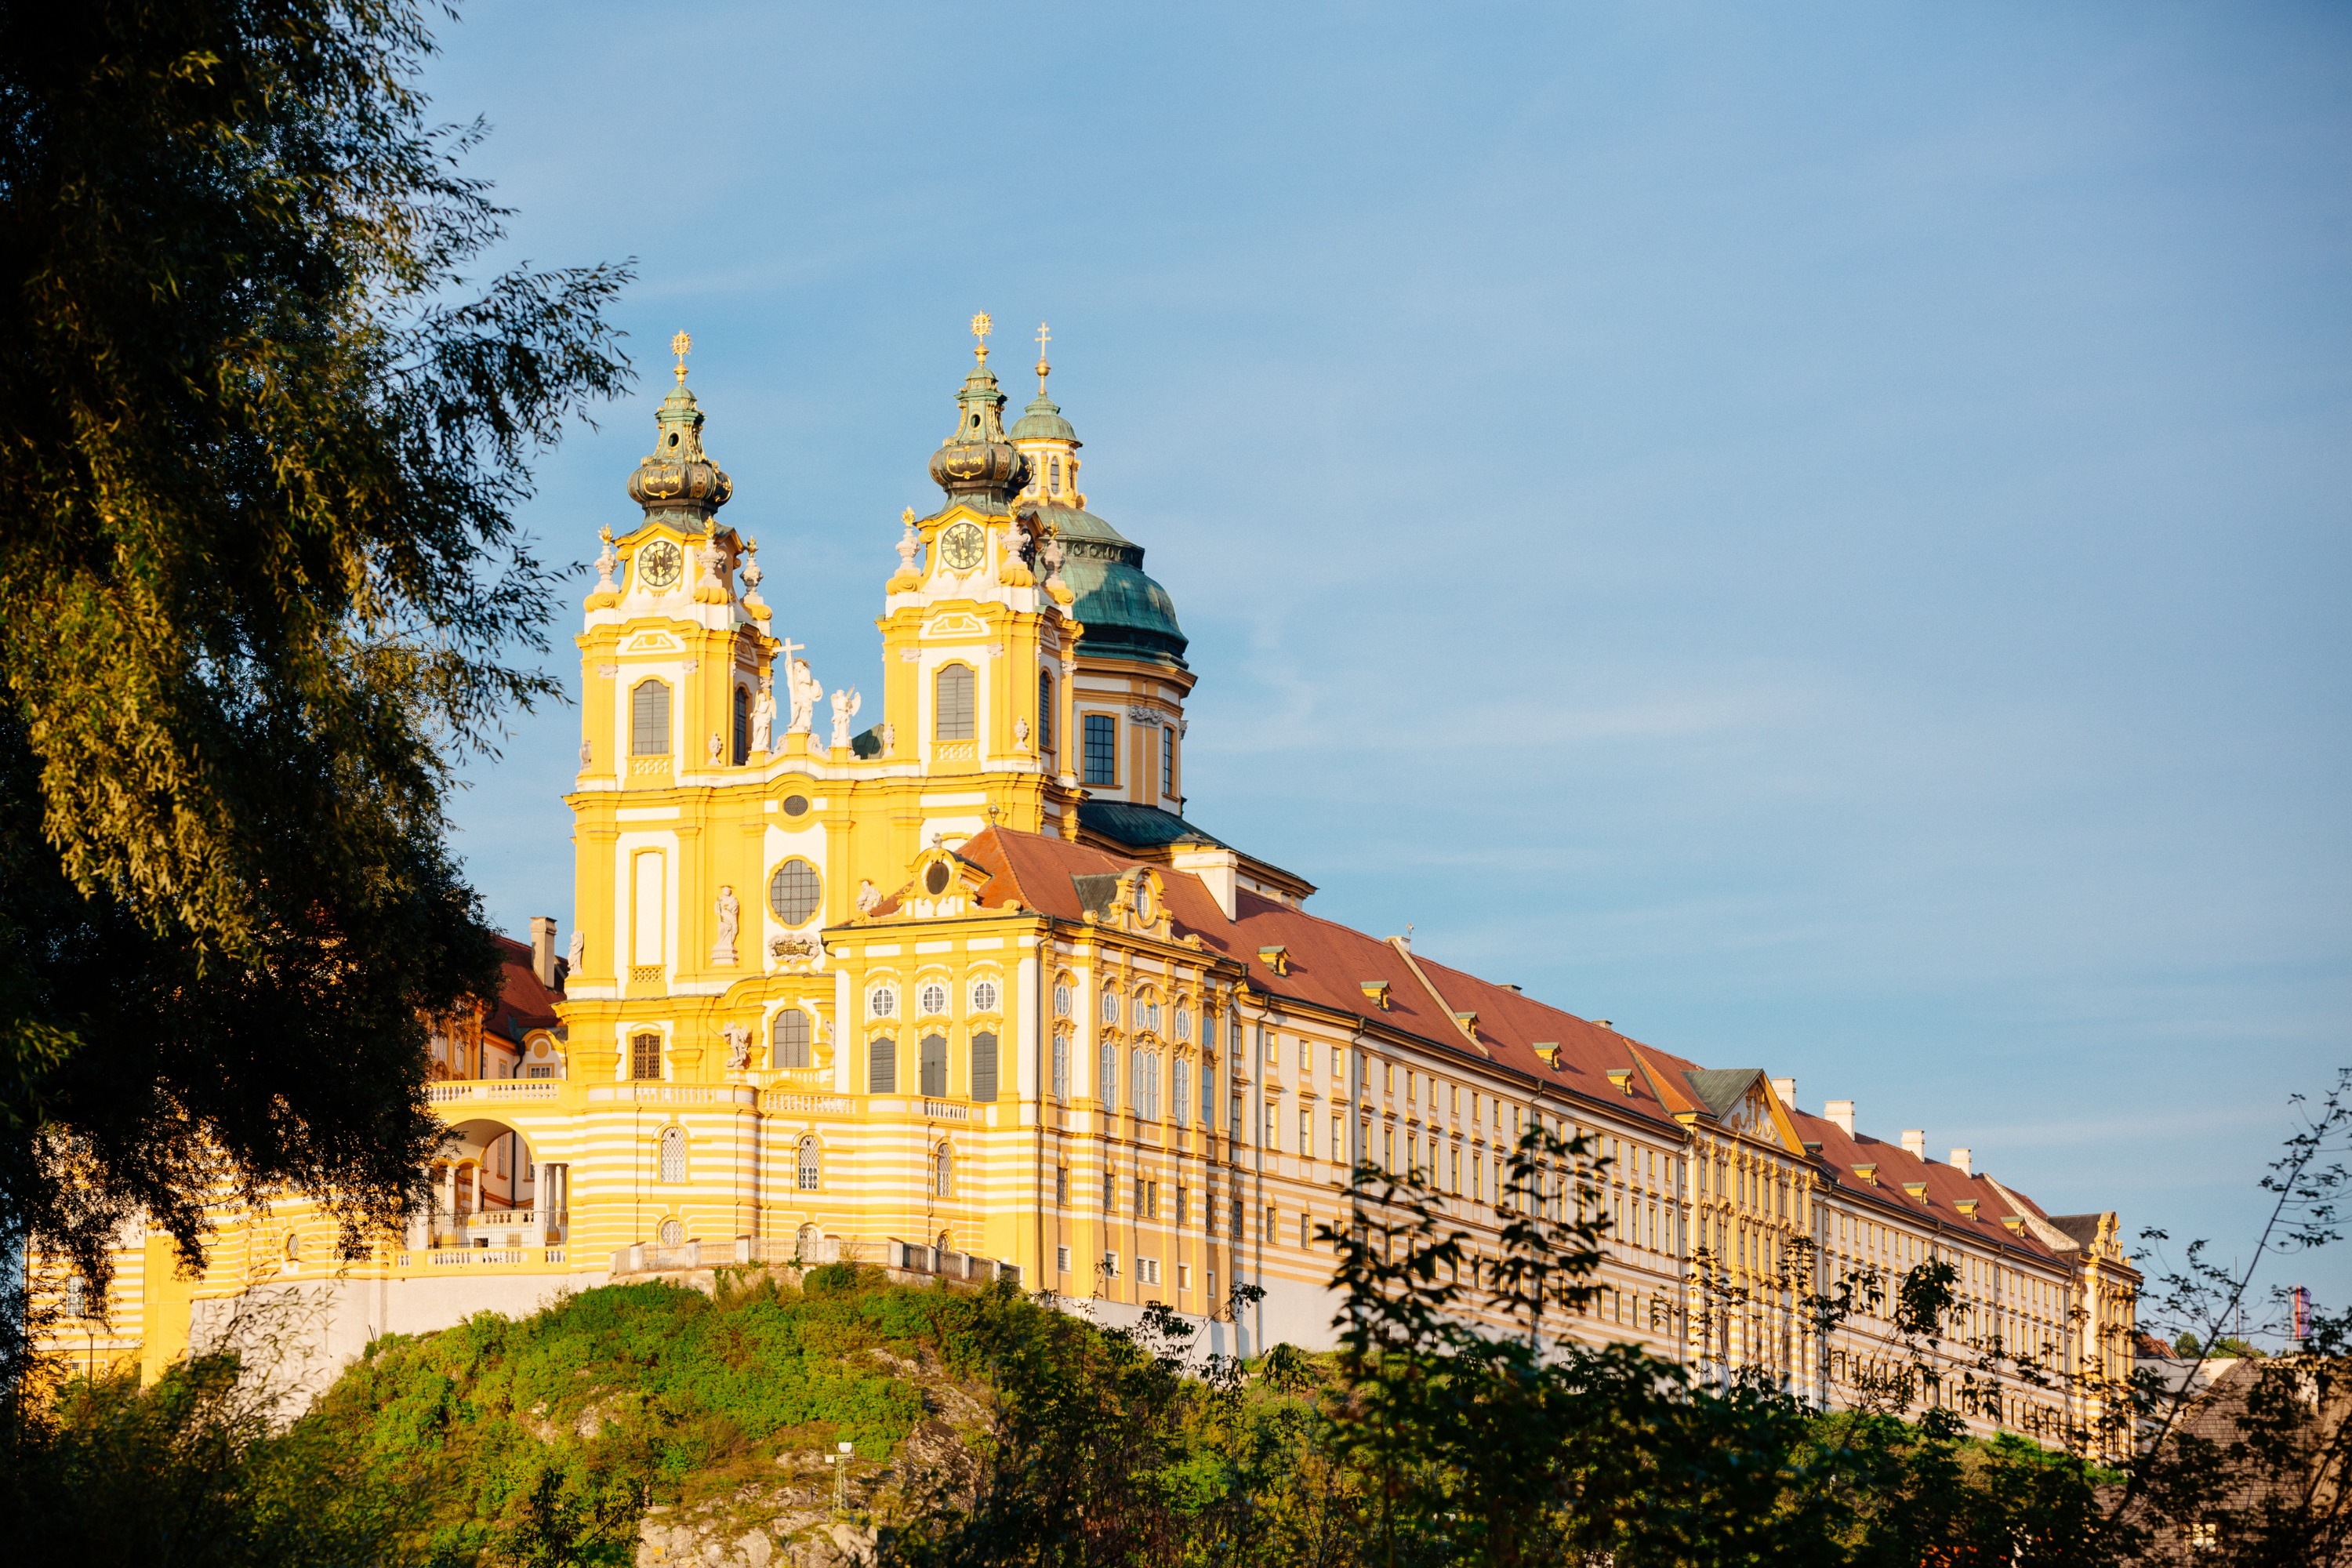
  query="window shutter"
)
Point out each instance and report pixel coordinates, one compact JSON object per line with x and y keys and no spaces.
{"x":935,"y":1064}
{"x":649,"y":719}
{"x":954,"y":719}
{"x":983,"y":1066}
{"x":882,"y":1067}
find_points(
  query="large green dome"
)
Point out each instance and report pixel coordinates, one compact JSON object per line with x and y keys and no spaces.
{"x":1126,"y":614}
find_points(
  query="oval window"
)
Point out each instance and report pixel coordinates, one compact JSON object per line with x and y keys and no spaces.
{"x":984,"y":997}
{"x":794,"y":891}
{"x":883,"y":1003}
{"x":932,"y":999}
{"x":795,"y":805}
{"x":935,"y":879}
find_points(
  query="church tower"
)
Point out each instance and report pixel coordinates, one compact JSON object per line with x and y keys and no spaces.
{"x":1129,"y":677}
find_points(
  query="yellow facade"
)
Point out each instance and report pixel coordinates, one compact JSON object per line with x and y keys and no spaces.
{"x":952,"y":984}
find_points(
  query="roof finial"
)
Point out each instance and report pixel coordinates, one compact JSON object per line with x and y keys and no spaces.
{"x":981,"y":327}
{"x":681,"y":345}
{"x":1043,"y":370}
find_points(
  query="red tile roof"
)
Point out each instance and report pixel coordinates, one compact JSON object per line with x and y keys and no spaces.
{"x":1327,"y":965}
{"x":1944,"y":1186}
{"x":523,"y":1003}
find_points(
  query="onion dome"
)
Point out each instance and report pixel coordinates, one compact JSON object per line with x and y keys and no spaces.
{"x":977,"y":464}
{"x":676,"y":482}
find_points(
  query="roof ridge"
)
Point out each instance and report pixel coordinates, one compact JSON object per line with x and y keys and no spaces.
{"x":1469,"y":1032}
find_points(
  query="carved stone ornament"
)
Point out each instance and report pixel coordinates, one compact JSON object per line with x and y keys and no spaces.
{"x":739,"y":1045}
{"x":1150,"y":717}
{"x":796,"y":946}
{"x":608,"y":671}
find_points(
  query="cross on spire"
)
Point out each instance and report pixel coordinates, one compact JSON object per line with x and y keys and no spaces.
{"x":1043,"y":370}
{"x":981,"y":327}
{"x":681,"y":345}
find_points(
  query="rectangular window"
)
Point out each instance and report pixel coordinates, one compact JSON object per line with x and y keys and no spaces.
{"x":1305,"y":1133}
{"x":1061,"y":1066}
{"x":1146,"y":1270}
{"x":1062,"y":1194}
{"x":1184,"y":1277}
{"x":1208,"y":1098}
{"x":934,"y":1065}
{"x":956,"y":718}
{"x":1045,"y":717}
{"x":1110,"y":1265}
{"x":1272,"y":1235}
{"x":1184,"y":1207}
{"x":1061,"y":1261}
{"x":1102,"y":749}
{"x":983,"y":1066}
{"x":649,"y":719}
{"x":1167,"y":762}
{"x":882,"y":1065}
{"x":1110,"y":1192}
{"x":1339,"y":1141}
{"x":791,"y":1038}
{"x":1106,"y":1081}
{"x":645,"y":1056}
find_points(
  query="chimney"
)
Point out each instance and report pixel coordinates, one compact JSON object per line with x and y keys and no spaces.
{"x":543,"y":949}
{"x":1914,"y":1142}
{"x":1842,"y":1112}
{"x":1960,"y":1161}
{"x":1786,"y":1088}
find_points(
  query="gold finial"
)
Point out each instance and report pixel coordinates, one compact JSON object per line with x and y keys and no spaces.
{"x":681,"y":345}
{"x":907,"y":517}
{"x":981,"y":327}
{"x":1043,"y":370}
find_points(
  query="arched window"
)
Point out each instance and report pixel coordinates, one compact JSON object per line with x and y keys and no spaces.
{"x":649,"y":719}
{"x":293,"y":1248}
{"x":935,"y":1064}
{"x":1065,"y":998}
{"x":942,"y":1173}
{"x":1061,"y":1066}
{"x":791,"y":1038}
{"x":954,"y":711}
{"x":1183,"y":1022}
{"x":1110,"y":1008}
{"x":983,"y":1066}
{"x":1044,"y":710}
{"x":672,"y":1154}
{"x":742,"y":751}
{"x":808,"y":1165}
{"x":645,"y":1056}
{"x":1106,"y":1079}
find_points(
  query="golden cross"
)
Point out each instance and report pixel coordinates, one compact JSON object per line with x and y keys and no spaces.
{"x":1043,"y":370}
{"x":681,"y":345}
{"x":981,"y":327}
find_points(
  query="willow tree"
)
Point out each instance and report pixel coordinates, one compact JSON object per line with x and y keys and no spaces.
{"x":261,"y":442}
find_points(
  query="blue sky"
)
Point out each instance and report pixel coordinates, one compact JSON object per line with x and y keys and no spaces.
{"x":1818,"y":533}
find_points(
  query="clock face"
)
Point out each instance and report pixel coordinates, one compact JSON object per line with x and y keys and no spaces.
{"x":658,"y":564}
{"x":961,"y":546}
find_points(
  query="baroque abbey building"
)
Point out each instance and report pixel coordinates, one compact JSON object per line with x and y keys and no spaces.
{"x":942,"y":978}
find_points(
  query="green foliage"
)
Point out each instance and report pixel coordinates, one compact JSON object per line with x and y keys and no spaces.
{"x":260,"y":443}
{"x":186,"y":1471}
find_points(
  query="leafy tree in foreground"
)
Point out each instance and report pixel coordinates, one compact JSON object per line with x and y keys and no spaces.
{"x":260,"y":443}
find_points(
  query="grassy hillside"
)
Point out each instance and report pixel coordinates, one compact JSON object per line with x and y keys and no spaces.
{"x":544,"y":1439}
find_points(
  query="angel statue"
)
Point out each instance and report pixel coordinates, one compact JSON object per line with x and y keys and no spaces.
{"x":739,"y":1045}
{"x":845,"y":709}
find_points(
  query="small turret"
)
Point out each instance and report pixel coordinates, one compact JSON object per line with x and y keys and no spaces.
{"x":976,"y":465}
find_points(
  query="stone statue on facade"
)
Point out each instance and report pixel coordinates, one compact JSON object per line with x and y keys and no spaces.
{"x":806,"y":689}
{"x":731,"y":919}
{"x":869,"y":898}
{"x":579,"y":955}
{"x":845,"y":709}
{"x":739,"y":1045}
{"x":764,"y":717}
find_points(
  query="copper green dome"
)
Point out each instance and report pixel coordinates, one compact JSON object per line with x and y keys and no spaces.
{"x":1043,"y":421}
{"x":1126,"y":614}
